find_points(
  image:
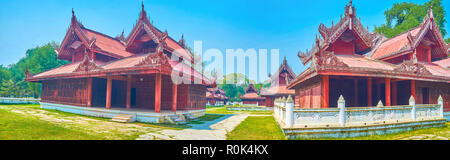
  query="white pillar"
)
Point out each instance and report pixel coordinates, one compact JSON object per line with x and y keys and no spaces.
{"x":441,"y":103}
{"x":412,"y":103}
{"x":341,"y":106}
{"x":289,"y":112}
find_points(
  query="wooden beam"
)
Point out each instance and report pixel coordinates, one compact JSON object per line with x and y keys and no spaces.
{"x":108,"y":92}
{"x":369,"y":92}
{"x":174,"y":97}
{"x":325,"y":91}
{"x":128,"y":103}
{"x":388,"y":92}
{"x":158,"y":93}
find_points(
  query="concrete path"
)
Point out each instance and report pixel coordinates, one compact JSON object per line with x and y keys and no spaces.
{"x":217,"y":131}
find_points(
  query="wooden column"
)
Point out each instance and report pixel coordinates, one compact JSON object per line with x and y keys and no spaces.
{"x":128,"y":103}
{"x":369,"y":92}
{"x":158,"y":93}
{"x":174,"y":97}
{"x":388,"y":91}
{"x":413,"y":89}
{"x":325,"y":91}
{"x":108,"y":92}
{"x":356,"y":93}
{"x":394,"y":93}
{"x":89,"y":92}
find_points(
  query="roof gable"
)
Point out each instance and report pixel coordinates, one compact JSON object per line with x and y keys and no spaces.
{"x":408,"y":41}
{"x":284,"y":68}
{"x":349,"y":24}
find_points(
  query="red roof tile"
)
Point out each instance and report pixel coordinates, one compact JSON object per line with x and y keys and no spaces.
{"x":394,"y":44}
{"x":444,"y":63}
{"x":251,"y":96}
{"x":107,"y":43}
{"x":277,"y":90}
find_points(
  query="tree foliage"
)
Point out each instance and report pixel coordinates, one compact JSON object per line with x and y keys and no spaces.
{"x":37,"y":60}
{"x":405,"y":16}
{"x":234,"y":84}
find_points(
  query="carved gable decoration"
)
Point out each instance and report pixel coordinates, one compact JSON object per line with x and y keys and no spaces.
{"x":87,"y":65}
{"x":154,"y":60}
{"x":327,"y":59}
{"x":350,"y":22}
{"x":413,"y":68}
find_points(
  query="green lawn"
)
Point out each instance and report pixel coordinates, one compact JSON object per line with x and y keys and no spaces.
{"x":266,"y":128}
{"x":16,"y":127}
{"x":257,"y":128}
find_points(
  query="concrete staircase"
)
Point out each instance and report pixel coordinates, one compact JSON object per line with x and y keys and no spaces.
{"x":176,"y":119}
{"x":123,"y":118}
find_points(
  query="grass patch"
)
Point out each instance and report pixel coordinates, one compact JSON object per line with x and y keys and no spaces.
{"x":16,"y":127}
{"x":257,"y":128}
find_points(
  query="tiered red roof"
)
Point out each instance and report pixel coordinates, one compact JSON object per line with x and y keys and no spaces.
{"x":117,"y":53}
{"x":251,"y":93}
{"x":279,"y":81}
{"x":217,"y":94}
{"x":372,"y":50}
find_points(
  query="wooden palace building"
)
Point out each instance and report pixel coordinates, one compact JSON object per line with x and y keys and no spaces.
{"x":278,"y":84}
{"x":366,"y":67}
{"x":123,"y":74}
{"x":252,"y":97}
{"x":216,"y":97}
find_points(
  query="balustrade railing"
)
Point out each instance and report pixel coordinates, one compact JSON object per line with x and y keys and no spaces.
{"x":343,"y":116}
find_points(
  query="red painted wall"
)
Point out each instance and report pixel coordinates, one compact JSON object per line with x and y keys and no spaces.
{"x":309,"y":95}
{"x":341,"y":47}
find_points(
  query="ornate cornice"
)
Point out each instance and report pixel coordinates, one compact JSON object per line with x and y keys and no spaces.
{"x":87,"y":65}
{"x":154,"y":60}
{"x":412,"y":67}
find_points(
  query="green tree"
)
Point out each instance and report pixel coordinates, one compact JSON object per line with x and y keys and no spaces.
{"x":405,"y":16}
{"x":37,"y":60}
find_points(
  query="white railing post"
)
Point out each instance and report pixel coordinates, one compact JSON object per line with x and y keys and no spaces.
{"x":275,"y":106}
{"x":289,"y":111}
{"x":283,"y":105}
{"x":341,"y":106}
{"x":412,"y":102}
{"x":441,"y":105}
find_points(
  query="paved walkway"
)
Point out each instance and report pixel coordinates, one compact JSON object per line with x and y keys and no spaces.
{"x":216,"y":130}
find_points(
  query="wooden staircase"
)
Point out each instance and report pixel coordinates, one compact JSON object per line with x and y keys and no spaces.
{"x":123,"y":118}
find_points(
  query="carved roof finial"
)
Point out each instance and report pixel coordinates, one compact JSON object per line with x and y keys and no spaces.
{"x":350,"y":3}
{"x":143,"y":14}
{"x":430,"y":13}
{"x":181,"y":41}
{"x":284,"y":60}
{"x":73,"y":12}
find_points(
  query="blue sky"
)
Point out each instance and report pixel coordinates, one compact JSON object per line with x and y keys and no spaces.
{"x":288,"y":25}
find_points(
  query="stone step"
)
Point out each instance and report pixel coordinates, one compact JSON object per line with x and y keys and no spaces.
{"x":122,"y":118}
{"x":189,"y":116}
{"x":177,"y":119}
